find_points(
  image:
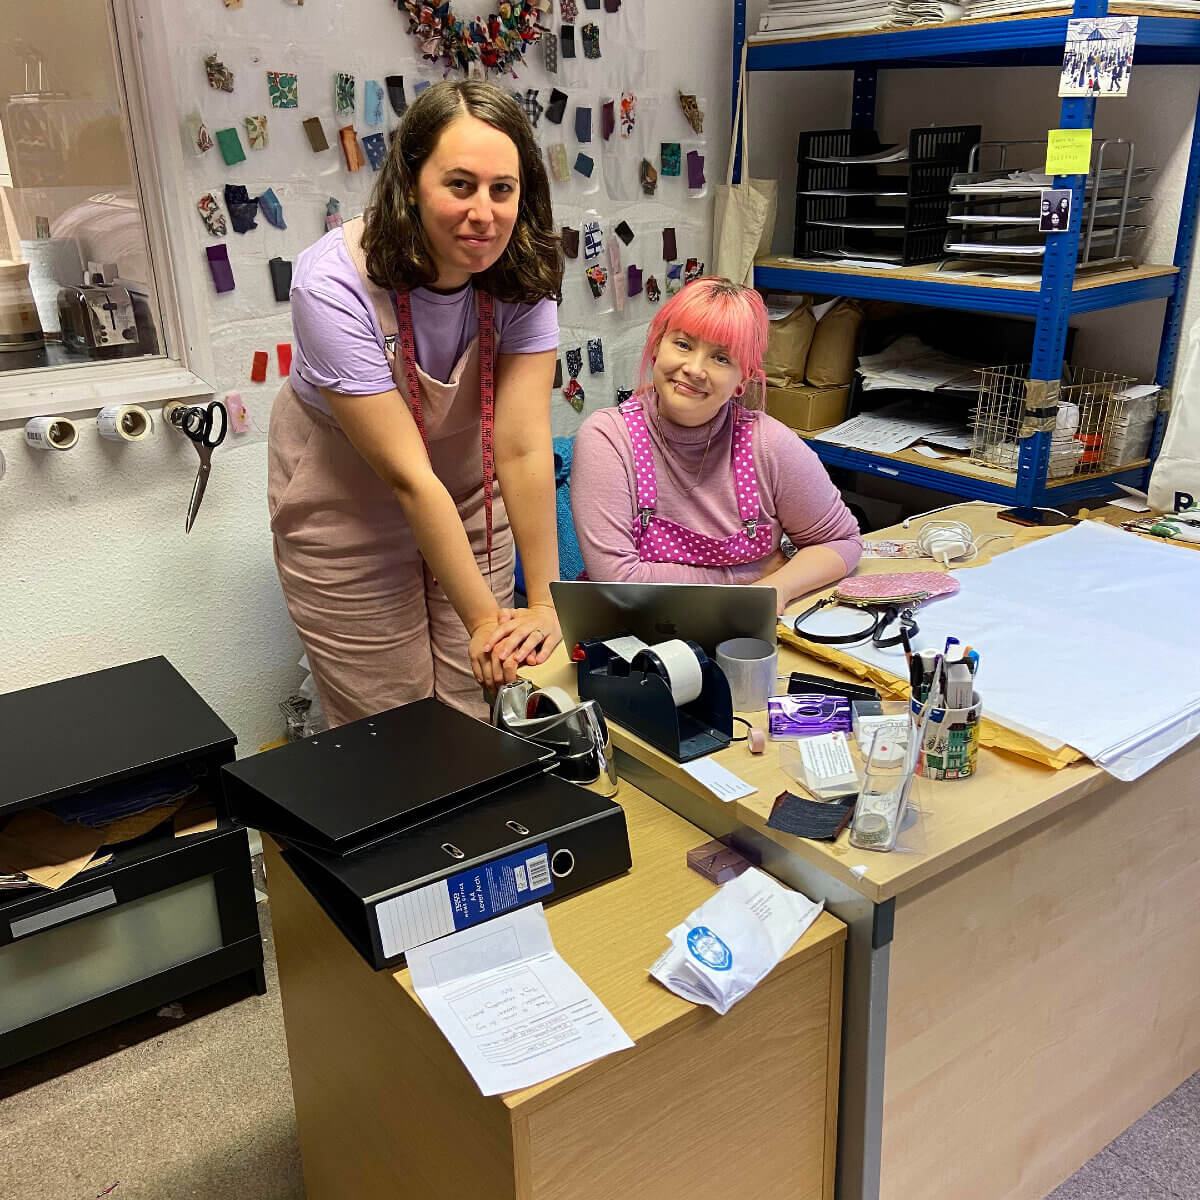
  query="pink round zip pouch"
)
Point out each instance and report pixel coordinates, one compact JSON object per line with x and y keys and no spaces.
{"x":899,"y":587}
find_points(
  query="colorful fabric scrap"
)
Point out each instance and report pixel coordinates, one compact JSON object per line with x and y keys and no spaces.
{"x":211,"y":215}
{"x":497,"y":44}
{"x":283,"y":89}
{"x":256,"y":132}
{"x":219,"y":75}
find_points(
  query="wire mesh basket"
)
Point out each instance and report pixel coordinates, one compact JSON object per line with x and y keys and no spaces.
{"x":295,"y":714}
{"x":1083,"y":412}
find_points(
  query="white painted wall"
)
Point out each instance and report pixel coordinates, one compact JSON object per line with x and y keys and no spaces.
{"x":96,"y":567}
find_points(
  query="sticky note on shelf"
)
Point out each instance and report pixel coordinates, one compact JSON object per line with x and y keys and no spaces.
{"x":1068,"y":151}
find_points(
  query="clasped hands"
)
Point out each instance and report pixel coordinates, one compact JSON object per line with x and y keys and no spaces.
{"x":515,"y":637}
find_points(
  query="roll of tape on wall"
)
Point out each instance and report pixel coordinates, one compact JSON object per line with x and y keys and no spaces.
{"x":124,"y":423}
{"x":679,"y":663}
{"x":51,"y":433}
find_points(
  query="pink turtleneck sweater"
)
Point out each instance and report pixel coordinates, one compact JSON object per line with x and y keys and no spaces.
{"x":797,"y":496}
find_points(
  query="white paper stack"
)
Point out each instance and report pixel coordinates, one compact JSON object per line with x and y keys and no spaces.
{"x":731,"y":942}
{"x":910,"y":364}
{"x":910,"y":13}
{"x":1088,"y":639}
{"x":816,"y":17}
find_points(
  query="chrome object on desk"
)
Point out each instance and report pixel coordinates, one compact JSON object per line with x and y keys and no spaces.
{"x":199,"y":424}
{"x":576,"y":732}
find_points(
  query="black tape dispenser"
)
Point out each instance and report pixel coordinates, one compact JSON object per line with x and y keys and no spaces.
{"x":671,"y":694}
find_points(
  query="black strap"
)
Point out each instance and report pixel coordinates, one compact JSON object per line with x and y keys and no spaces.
{"x":835,"y":639}
{"x":880,"y":620}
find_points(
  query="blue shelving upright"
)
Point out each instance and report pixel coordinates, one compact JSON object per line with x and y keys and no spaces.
{"x":1027,"y":41}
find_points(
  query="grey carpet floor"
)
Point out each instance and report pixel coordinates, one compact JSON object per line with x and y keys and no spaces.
{"x":169,"y":1108}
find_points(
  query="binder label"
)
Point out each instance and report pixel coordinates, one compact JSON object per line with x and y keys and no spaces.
{"x":464,"y":899}
{"x":494,"y":888}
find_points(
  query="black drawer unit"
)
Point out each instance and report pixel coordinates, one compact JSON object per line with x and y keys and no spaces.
{"x":166,"y":916}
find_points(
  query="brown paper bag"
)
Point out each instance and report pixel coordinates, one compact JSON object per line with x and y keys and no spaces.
{"x":835,"y":345}
{"x":788,"y":342}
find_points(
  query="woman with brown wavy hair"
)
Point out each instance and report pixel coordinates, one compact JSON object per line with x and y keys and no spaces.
{"x":426,"y":334}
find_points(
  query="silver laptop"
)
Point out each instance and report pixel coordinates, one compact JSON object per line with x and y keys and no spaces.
{"x":706,"y":613}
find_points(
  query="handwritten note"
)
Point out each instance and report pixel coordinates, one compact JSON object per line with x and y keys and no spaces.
{"x":1068,"y":151}
{"x":513,"y":1010}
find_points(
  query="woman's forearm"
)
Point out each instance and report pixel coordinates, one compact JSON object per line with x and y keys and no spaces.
{"x":808,"y":569}
{"x":528,"y":482}
{"x":439,"y":531}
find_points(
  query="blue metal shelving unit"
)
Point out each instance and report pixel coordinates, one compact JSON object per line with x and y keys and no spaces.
{"x":1034,"y":41}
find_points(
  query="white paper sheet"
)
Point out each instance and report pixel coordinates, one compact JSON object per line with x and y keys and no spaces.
{"x":513,"y":1010}
{"x":883,"y":432}
{"x":1088,"y":639}
{"x":722,"y":783}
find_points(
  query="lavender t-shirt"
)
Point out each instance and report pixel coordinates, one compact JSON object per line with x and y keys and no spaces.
{"x":339,"y":344}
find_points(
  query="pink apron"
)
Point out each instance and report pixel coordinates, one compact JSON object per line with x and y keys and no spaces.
{"x":662,"y":541}
{"x":377,"y":628}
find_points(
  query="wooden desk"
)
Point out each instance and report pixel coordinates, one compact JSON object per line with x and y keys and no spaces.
{"x":1021,"y":978}
{"x":703,"y":1106}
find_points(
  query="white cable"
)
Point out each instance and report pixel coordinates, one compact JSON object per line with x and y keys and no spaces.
{"x":944,"y":541}
{"x":957,"y":504}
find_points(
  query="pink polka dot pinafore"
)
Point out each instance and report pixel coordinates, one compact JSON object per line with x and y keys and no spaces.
{"x":663,"y":541}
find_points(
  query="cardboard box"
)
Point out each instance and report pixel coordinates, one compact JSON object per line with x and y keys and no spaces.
{"x":806,"y":408}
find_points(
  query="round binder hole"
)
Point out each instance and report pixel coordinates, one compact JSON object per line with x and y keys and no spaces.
{"x":562,"y":863}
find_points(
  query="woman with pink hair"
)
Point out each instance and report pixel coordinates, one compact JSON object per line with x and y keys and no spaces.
{"x":689,"y":482}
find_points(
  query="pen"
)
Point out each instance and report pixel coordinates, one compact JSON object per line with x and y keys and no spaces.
{"x":950,"y":641}
{"x":928,"y":663}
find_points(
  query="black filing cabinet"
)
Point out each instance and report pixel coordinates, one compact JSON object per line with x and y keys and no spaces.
{"x":166,"y":916}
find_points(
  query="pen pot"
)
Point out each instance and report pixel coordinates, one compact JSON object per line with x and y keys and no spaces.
{"x":950,"y":747}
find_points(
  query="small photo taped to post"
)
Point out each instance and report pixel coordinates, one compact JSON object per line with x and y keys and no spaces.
{"x":1055,"y":213}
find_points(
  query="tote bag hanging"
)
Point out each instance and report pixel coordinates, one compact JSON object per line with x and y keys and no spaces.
{"x":1176,"y":474}
{"x":744,"y":215}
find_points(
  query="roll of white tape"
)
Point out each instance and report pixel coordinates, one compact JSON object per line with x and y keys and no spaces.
{"x":684,"y":676}
{"x":558,"y":698}
{"x":51,"y":433}
{"x":124,"y":423}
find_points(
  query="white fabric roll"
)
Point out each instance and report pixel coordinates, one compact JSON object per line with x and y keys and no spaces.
{"x":53,"y":263}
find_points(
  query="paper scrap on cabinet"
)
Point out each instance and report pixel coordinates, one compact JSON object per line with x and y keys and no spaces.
{"x":514,"y":1011}
{"x":723,"y":784}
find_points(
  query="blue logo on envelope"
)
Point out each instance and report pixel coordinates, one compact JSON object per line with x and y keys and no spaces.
{"x":709,"y":949}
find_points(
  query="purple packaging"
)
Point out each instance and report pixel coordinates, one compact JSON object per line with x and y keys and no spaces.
{"x":805,"y":715}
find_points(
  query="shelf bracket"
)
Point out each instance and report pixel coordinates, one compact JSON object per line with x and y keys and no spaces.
{"x":862,"y":107}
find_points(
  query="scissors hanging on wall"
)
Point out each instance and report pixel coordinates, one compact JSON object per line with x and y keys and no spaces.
{"x":206,"y":426}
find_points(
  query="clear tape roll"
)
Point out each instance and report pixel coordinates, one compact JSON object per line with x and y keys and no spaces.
{"x":680,"y":665}
{"x":124,"y":423}
{"x":51,"y":433}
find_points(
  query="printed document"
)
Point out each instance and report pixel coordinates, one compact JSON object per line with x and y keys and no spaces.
{"x":514,"y":1011}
